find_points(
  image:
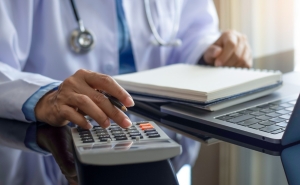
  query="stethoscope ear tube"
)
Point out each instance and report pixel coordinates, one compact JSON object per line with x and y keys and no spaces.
{"x":159,"y":41}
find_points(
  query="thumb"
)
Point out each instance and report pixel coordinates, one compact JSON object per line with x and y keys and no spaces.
{"x":212,"y":53}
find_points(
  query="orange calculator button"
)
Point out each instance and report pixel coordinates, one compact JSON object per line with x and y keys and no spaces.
{"x":147,"y":127}
{"x":145,"y":124}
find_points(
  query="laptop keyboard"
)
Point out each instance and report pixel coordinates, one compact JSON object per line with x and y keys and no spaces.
{"x":271,"y":117}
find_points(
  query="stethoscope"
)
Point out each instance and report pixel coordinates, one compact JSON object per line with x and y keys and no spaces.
{"x":82,"y":40}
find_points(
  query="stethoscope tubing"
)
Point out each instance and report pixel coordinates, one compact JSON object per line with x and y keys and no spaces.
{"x":172,"y":41}
{"x":158,"y":39}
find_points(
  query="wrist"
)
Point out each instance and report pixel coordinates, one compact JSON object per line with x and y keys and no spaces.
{"x":42,"y":106}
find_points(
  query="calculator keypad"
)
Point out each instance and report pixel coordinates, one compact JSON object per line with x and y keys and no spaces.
{"x":139,"y":130}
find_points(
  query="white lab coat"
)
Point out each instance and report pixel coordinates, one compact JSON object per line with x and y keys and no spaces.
{"x":34,"y":48}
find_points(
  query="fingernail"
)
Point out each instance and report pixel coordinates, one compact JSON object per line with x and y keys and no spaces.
{"x":126,"y":123}
{"x":89,"y":124}
{"x":129,"y":101}
{"x":218,"y":63}
{"x":106,"y":123}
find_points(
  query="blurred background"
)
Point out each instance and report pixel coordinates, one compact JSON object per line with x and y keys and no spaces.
{"x":273,"y":30}
{"x":271,"y":27}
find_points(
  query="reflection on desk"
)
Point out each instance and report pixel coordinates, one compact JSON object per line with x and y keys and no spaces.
{"x":256,"y":163}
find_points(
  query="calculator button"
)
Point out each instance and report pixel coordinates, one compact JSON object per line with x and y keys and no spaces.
{"x":145,"y":124}
{"x":131,"y":128}
{"x":99,"y":129}
{"x":115,"y":129}
{"x":133,"y":131}
{"x":84,"y":132}
{"x":142,"y":122}
{"x":149,"y":130}
{"x":153,"y":135}
{"x":135,"y":134}
{"x":121,"y":138}
{"x":101,"y":133}
{"x":103,"y":139}
{"x":146,"y":127}
{"x":88,"y":140}
{"x":120,"y":135}
{"x":134,"y":137}
{"x":85,"y":135}
{"x":83,"y":138}
{"x":117,"y":132}
{"x":104,"y":136}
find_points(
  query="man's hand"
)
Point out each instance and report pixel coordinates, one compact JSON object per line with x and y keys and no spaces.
{"x":76,"y":97}
{"x":231,"y":49}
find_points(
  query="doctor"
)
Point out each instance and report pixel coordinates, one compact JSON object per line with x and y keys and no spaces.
{"x":53,"y":54}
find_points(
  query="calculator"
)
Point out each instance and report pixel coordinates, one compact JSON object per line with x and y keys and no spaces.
{"x":143,"y":142}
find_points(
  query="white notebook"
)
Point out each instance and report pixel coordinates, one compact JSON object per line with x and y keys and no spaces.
{"x":199,"y":84}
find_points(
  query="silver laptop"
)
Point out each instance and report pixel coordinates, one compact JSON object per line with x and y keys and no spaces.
{"x":274,"y":118}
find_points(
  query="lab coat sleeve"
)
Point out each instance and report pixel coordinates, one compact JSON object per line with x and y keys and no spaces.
{"x":16,"y":20}
{"x":15,"y":89}
{"x":198,"y":30}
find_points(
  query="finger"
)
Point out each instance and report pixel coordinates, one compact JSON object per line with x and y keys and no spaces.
{"x":86,"y":105}
{"x":107,"y":84}
{"x":244,"y":59}
{"x":229,"y":42}
{"x":70,"y":114}
{"x":108,"y":108}
{"x":236,"y":58}
{"x":247,"y":56}
{"x":212,"y":53}
{"x":233,"y":61}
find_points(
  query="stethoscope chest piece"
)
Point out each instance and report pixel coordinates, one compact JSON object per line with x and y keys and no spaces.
{"x":81,"y":41}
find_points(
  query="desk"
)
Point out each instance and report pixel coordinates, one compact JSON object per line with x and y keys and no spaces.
{"x":237,"y":159}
